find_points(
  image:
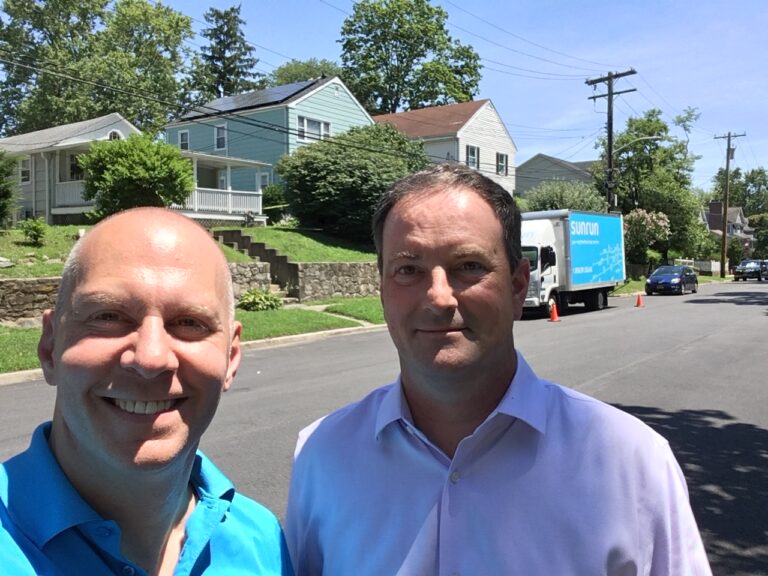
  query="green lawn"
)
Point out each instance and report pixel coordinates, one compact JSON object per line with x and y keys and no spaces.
{"x":368,"y":309}
{"x":18,"y":349}
{"x":310,"y":246}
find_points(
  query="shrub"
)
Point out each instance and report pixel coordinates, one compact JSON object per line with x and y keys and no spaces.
{"x":273,"y":202}
{"x":34,"y":230}
{"x":258,"y":300}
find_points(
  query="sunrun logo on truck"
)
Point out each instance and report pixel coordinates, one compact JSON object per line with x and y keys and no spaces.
{"x":582,"y":228}
{"x":597,"y":248}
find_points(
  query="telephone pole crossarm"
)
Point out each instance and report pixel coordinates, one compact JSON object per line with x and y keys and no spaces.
{"x":608,"y":80}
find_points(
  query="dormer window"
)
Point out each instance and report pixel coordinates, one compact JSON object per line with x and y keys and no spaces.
{"x":115,"y":135}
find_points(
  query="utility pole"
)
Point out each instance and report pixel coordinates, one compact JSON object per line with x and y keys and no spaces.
{"x":608,"y":79}
{"x":728,"y":157}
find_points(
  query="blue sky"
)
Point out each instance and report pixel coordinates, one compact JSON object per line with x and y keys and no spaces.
{"x":707,"y":54}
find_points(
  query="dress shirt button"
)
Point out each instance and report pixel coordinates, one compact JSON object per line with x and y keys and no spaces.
{"x":128,"y":571}
{"x":455,"y":476}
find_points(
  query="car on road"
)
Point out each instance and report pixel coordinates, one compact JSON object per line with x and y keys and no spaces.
{"x":757,"y":269}
{"x":672,"y":280}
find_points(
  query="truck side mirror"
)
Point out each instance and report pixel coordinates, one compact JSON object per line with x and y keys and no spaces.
{"x":547,"y":257}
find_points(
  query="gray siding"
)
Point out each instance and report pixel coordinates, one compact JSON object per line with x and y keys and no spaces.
{"x":542,"y":169}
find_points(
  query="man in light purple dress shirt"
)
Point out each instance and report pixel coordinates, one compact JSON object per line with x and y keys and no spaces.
{"x":469,"y":464}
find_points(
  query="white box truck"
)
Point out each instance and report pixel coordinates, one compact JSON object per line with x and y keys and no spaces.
{"x":575,"y":257}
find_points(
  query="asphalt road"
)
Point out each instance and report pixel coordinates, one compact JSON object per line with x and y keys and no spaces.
{"x":693,"y":367}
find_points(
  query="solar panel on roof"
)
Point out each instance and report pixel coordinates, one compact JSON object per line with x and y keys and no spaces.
{"x":255,"y":99}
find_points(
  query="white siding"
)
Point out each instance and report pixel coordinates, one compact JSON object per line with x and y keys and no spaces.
{"x":487,"y":132}
{"x":442,"y":150}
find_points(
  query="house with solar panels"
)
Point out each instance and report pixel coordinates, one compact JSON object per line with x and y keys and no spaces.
{"x":263,"y":126}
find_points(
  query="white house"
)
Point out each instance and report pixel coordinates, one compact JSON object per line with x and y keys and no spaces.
{"x":471,"y":133}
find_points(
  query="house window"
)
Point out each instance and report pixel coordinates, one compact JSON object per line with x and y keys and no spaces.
{"x":115,"y":135}
{"x":502,"y":164}
{"x":263,"y":180}
{"x":310,"y":129}
{"x":221,"y":137}
{"x":25,"y":173}
{"x":473,"y":157}
{"x":75,"y":171}
{"x":184,"y":139}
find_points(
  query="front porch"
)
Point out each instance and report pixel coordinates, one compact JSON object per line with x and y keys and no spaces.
{"x":212,"y":199}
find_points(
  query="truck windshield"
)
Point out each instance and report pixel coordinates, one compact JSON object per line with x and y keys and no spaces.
{"x":532,"y":253}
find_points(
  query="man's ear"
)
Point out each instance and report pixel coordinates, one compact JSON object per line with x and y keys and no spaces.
{"x":520,"y":278}
{"x":46,"y":345}
{"x":235,"y":355}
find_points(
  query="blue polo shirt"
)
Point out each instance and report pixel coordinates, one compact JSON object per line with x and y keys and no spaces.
{"x":46,"y":528}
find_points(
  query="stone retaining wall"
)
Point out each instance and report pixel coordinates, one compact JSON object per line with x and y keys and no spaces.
{"x":25,"y":298}
{"x":330,"y":280}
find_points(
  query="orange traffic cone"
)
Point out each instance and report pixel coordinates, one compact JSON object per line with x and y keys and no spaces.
{"x":553,"y":317}
{"x":639,"y":303}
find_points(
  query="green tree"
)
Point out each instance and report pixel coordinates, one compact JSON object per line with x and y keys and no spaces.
{"x":398,"y":54}
{"x":137,"y":171}
{"x":749,"y":189}
{"x":334,"y":184}
{"x":652,"y":171}
{"x":642,"y":230}
{"x":760,"y":223}
{"x":561,"y":194}
{"x":8,"y":189}
{"x":299,"y":70}
{"x":228,"y":60}
{"x":78,"y":60}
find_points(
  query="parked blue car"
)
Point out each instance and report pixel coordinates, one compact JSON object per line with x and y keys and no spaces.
{"x":672,"y":280}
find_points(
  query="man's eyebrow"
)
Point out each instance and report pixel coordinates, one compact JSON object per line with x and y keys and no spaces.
{"x":406,"y":255}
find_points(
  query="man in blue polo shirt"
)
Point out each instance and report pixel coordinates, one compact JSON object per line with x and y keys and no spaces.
{"x":140,"y":346}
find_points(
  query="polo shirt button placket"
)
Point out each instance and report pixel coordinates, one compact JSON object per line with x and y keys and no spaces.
{"x":128,"y":571}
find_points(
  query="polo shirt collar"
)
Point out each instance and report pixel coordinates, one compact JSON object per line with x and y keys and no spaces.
{"x":41,"y":500}
{"x":524,"y":400}
{"x":37,"y":483}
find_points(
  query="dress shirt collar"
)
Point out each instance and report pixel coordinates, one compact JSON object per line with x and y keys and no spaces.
{"x":36,"y":483}
{"x":524,"y":400}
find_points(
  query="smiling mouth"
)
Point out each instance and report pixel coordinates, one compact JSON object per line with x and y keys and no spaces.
{"x":139,"y":407}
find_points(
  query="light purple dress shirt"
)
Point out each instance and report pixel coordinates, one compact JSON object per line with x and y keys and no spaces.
{"x":552,"y":483}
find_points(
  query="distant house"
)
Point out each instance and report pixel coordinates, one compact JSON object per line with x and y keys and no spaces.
{"x":264,"y":125}
{"x":51,"y":181}
{"x":50,"y":178}
{"x":471,"y":133}
{"x":737,"y":225}
{"x":542,"y":168}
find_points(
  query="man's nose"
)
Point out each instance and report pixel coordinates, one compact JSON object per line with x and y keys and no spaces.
{"x":440,"y":294}
{"x":152,"y":352}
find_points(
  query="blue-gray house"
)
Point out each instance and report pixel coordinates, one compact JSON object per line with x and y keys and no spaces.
{"x":263,"y":126}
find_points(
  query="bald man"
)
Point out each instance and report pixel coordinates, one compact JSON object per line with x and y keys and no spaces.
{"x":140,"y":346}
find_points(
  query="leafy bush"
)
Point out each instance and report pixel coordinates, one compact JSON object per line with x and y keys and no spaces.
{"x":335,"y":183}
{"x":258,"y":300}
{"x":137,"y":171}
{"x":273,"y":202}
{"x":8,"y":187}
{"x":34,"y":230}
{"x":561,"y":194}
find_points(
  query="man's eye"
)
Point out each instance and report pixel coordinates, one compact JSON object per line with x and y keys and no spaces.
{"x":472,"y":267}
{"x":189,"y":328}
{"x":108,"y":316}
{"x":406,"y":270}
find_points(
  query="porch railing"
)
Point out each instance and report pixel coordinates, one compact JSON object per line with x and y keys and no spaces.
{"x":70,"y":194}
